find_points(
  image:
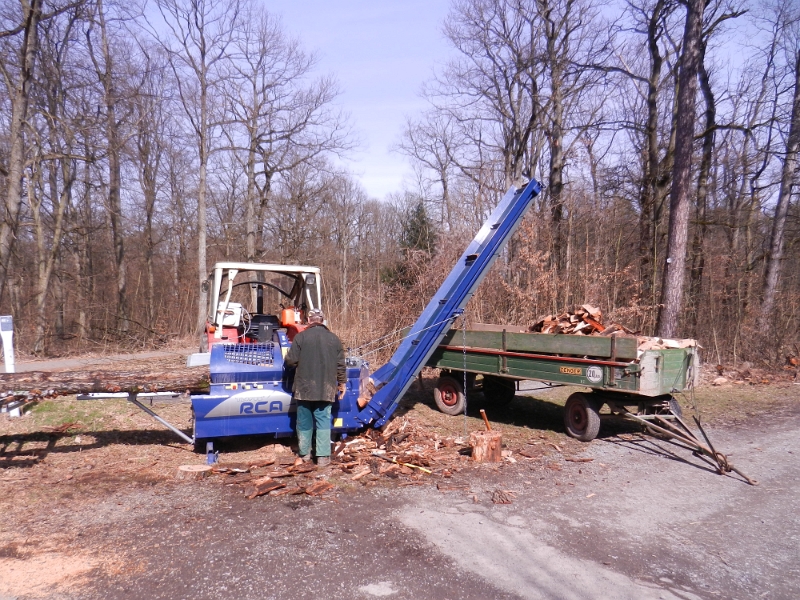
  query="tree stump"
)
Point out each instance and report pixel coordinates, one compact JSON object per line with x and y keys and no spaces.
{"x":486,"y":446}
{"x":192,"y":472}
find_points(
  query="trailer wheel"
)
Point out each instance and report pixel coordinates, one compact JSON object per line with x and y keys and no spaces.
{"x":449,"y":396}
{"x":581,"y":417}
{"x":499,"y":389}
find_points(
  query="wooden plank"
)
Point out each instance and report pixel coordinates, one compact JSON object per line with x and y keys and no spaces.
{"x":673,"y":371}
{"x":546,"y":343}
{"x":494,"y":327}
{"x":540,"y":369}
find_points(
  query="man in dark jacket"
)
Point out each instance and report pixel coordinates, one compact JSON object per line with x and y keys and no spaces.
{"x":319,"y":357}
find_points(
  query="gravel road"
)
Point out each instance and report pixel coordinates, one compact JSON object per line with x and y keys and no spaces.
{"x":638,"y":522}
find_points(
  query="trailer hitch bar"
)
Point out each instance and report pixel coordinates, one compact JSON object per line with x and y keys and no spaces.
{"x":684,"y":436}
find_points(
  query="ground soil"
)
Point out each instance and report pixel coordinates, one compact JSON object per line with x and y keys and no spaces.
{"x":94,"y":511}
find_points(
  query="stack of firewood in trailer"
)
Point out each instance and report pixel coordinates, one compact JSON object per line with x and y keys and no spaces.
{"x":588,"y":320}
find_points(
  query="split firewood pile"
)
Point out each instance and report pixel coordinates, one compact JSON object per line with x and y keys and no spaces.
{"x":405,"y":453}
{"x":402,"y":450}
{"x":588,"y":320}
{"x":276,"y":474}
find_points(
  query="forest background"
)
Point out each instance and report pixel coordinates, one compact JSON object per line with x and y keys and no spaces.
{"x":141,"y":143}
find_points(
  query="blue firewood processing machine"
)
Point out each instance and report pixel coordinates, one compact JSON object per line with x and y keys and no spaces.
{"x":250,"y":390}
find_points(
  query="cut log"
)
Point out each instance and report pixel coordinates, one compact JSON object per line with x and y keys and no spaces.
{"x":262,"y":486}
{"x":279,"y":473}
{"x":365,"y":471}
{"x":596,"y":324}
{"x":303,"y":468}
{"x":288,"y":491}
{"x":486,"y":446}
{"x":528,"y":453}
{"x":87,"y":382}
{"x":231,"y":468}
{"x":192,"y":472}
{"x":319,"y":488}
{"x":262,"y":463}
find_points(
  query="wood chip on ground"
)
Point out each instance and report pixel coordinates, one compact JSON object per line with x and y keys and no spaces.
{"x":503,"y":496}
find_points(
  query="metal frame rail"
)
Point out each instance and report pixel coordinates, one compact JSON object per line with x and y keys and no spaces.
{"x":133,"y":398}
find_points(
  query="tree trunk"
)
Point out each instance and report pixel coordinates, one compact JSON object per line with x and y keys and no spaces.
{"x":79,"y":382}
{"x":647,"y":196}
{"x":47,"y":248}
{"x":31,"y":14}
{"x":675,"y":264}
{"x":700,"y":228}
{"x":782,"y":207}
{"x":202,"y":227}
{"x":486,"y":446}
{"x":107,"y":79}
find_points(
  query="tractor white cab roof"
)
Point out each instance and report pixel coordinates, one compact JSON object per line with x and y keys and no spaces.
{"x":297,"y":286}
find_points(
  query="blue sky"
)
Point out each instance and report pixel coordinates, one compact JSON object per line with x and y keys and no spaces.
{"x":381,"y":51}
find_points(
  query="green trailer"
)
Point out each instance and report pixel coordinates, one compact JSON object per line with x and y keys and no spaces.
{"x":497,"y":358}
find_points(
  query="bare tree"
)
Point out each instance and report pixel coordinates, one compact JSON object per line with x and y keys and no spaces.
{"x":789,"y":170}
{"x":52,"y":170}
{"x":293,"y":232}
{"x":287,"y":118}
{"x":347,"y":200}
{"x":151,"y":130}
{"x":680,"y":201}
{"x":651,"y":74}
{"x":112,"y":78}
{"x":492,"y":87}
{"x":20,"y":39}
{"x":201,"y":32}
{"x":430,"y":141}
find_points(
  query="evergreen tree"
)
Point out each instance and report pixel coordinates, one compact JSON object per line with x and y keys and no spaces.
{"x":418,"y":231}
{"x":418,"y":245}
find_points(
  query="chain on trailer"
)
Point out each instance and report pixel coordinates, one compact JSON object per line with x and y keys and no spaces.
{"x":464,"y":346}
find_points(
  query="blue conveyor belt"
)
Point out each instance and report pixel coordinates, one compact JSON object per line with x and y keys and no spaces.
{"x":394,"y":378}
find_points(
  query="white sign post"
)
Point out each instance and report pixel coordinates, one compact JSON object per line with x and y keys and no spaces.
{"x":7,"y":333}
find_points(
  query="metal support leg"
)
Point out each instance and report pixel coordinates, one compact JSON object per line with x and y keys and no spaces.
{"x":132,"y":399}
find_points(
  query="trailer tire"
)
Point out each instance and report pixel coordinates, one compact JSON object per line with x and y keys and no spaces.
{"x":582,"y":417}
{"x":449,"y":396}
{"x":499,"y":390}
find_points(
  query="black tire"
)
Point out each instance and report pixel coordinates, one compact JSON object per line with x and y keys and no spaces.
{"x":499,"y":390}
{"x":582,"y":417}
{"x":449,"y":396}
